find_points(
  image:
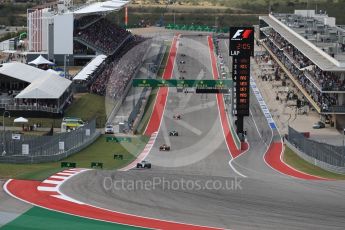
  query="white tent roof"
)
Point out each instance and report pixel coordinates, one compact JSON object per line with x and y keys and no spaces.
{"x":20,"y":120}
{"x":20,"y":71}
{"x":96,"y":7}
{"x":90,"y":68}
{"x":40,"y":60}
{"x":43,"y":84}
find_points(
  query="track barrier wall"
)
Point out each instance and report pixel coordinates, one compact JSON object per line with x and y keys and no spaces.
{"x":38,"y":149}
{"x":328,"y":157}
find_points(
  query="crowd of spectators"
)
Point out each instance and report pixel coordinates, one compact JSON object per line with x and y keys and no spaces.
{"x":104,"y":35}
{"x":327,"y":80}
{"x":113,"y":76}
{"x":82,"y":49}
{"x":125,"y":69}
{"x":298,"y":58}
{"x":323,"y":100}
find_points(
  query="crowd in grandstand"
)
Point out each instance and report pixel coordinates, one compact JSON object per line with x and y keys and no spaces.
{"x":324,"y":100}
{"x":297,"y":57}
{"x":327,"y":80}
{"x":115,"y":75}
{"x":103,"y":35}
{"x":125,"y":69}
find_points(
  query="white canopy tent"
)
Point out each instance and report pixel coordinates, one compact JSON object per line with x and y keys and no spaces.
{"x":21,"y":120}
{"x":43,"y":84}
{"x":90,"y":68}
{"x":40,"y":60}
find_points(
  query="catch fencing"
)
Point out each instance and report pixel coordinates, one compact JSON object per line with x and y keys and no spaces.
{"x":38,"y":149}
{"x":329,"y":157}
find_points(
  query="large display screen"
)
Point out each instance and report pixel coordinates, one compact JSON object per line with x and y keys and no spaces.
{"x":241,"y":76}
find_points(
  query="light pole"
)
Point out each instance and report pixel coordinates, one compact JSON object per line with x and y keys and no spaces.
{"x":3,"y":134}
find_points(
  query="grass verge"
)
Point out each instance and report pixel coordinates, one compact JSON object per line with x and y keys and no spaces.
{"x":292,"y":159}
{"x":99,"y":151}
{"x":86,"y":106}
{"x":43,"y":219}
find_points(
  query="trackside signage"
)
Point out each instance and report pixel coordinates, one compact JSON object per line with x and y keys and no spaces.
{"x":241,"y":41}
{"x":263,"y":105}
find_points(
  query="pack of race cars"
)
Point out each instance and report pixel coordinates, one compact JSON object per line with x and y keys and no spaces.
{"x":172,"y":133}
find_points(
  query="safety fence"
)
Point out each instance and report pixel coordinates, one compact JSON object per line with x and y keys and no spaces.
{"x":19,"y":148}
{"x":327,"y":156}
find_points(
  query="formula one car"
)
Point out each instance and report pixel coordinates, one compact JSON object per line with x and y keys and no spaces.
{"x":183,"y":55}
{"x":182,"y":62}
{"x":177,"y":116}
{"x":181,"y":78}
{"x":144,"y":164}
{"x":173,"y":133}
{"x":164,"y":147}
{"x":183,"y":71}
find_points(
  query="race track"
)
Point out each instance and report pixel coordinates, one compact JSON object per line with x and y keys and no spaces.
{"x":264,"y":199}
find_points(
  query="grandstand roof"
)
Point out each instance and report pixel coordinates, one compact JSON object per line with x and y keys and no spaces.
{"x":99,"y":7}
{"x":90,"y":68}
{"x":314,"y":55}
{"x":43,"y":84}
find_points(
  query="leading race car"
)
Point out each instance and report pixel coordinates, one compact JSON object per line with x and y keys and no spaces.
{"x":164,"y":147}
{"x":173,"y":133}
{"x":144,"y":164}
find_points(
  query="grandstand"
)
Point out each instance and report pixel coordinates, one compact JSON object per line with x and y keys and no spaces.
{"x":78,"y":33}
{"x":310,"y":48}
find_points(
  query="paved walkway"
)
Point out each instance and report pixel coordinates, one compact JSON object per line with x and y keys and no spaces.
{"x":285,"y":112}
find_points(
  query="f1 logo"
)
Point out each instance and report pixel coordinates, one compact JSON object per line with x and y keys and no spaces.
{"x":242,"y":34}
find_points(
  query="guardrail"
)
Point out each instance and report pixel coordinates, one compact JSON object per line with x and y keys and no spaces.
{"x":38,"y":149}
{"x":329,"y":157}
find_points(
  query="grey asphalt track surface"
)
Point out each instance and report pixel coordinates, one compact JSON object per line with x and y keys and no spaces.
{"x":10,"y":208}
{"x":185,"y":178}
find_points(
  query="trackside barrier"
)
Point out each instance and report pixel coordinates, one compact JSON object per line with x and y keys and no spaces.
{"x":313,"y":161}
{"x":117,"y":105}
{"x":138,"y":112}
{"x":39,"y":149}
{"x":234,"y":134}
{"x":329,"y":157}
